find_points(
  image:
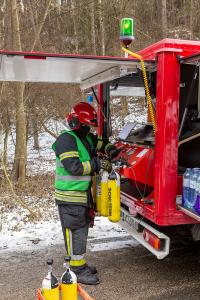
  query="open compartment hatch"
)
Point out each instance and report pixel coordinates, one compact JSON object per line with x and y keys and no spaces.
{"x":64,"y":68}
{"x":189,"y":119}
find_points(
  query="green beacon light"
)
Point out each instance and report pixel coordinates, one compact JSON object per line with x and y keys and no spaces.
{"x":127,"y":31}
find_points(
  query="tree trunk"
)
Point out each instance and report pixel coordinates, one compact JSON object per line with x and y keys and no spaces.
{"x":164,"y":18}
{"x":75,"y":26}
{"x":37,"y":34}
{"x":93,"y":33}
{"x":34,"y":26}
{"x":5,"y":145}
{"x":102,"y":29}
{"x":191,"y":19}
{"x":124,"y":106}
{"x":19,"y":167}
{"x":35,"y":132}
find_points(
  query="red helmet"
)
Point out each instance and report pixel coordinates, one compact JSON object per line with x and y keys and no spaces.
{"x":82,"y":113}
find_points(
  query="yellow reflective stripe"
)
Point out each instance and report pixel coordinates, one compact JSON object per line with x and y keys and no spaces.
{"x":73,"y":178}
{"x":71,"y":199}
{"x":77,"y":263}
{"x":69,"y":154}
{"x":99,"y":144}
{"x":86,"y":168}
{"x":71,"y":193}
{"x":68,"y":241}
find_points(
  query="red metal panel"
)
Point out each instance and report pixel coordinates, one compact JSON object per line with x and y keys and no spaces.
{"x":148,"y":211}
{"x":64,"y":55}
{"x":34,"y":57}
{"x":166,"y":140}
{"x":100,"y":115}
{"x":187,"y":47}
{"x":140,"y":161}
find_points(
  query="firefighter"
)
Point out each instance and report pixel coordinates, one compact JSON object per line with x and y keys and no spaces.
{"x":76,"y":162}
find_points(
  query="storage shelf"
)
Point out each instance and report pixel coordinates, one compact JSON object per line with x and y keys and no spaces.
{"x":190,"y":213}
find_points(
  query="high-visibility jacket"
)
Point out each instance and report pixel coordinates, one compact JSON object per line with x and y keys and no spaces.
{"x":72,"y":188}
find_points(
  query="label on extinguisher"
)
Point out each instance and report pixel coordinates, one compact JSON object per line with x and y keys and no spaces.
{"x":109,"y":202}
{"x":142,"y":153}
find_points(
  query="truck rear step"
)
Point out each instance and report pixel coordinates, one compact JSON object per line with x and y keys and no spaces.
{"x":156,"y":242}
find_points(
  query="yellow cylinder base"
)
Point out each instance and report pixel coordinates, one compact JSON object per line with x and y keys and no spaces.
{"x":69,"y":291}
{"x":52,"y":294}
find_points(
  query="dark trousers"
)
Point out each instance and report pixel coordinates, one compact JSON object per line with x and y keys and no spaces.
{"x":75,"y":223}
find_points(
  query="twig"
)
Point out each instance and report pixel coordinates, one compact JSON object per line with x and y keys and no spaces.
{"x":18,"y":200}
{"x":49,"y":131}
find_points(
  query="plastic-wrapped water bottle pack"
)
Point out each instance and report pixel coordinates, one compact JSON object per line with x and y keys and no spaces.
{"x":191,"y":189}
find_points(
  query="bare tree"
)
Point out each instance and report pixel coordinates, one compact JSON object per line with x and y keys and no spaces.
{"x":102,"y":28}
{"x":93,"y":31}
{"x":164,"y":18}
{"x":19,"y":167}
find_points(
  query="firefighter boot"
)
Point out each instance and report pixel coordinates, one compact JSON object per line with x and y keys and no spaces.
{"x":92,"y":269}
{"x":85,"y":276}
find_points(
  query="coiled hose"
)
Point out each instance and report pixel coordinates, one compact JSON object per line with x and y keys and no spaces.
{"x":146,"y":86}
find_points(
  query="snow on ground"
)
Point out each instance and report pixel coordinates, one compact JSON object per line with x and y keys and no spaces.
{"x":17,"y":233}
{"x":44,"y":234}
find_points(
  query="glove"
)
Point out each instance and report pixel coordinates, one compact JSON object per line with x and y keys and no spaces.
{"x":114,"y":153}
{"x":106,"y":165}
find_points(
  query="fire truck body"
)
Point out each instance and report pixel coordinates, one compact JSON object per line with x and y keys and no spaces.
{"x":161,"y":158}
{"x":153,"y":163}
{"x":152,"y":178}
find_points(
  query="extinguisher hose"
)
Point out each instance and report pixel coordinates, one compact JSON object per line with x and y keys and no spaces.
{"x":146,"y":86}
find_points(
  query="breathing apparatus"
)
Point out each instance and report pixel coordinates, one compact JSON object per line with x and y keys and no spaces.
{"x":50,"y":286}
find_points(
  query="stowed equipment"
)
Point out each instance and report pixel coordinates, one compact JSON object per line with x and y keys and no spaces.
{"x":108,"y":193}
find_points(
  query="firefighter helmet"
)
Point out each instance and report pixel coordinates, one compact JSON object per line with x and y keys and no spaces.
{"x":82,"y":113}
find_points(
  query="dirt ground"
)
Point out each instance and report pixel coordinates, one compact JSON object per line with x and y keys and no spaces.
{"x":126,"y":274}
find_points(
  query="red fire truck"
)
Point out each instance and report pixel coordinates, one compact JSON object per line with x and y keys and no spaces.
{"x":153,"y":156}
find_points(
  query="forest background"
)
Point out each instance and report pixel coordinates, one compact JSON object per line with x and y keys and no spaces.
{"x":69,"y":26}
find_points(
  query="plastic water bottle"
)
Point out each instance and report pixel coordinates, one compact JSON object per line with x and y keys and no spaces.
{"x":193,"y":183}
{"x":197,"y":170}
{"x":186,"y":187}
{"x":197,"y":203}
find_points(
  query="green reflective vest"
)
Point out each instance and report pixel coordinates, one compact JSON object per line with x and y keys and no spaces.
{"x":68,"y":187}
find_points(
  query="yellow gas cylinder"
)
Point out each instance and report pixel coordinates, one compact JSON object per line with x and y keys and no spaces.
{"x":104,"y":194}
{"x":69,"y":287}
{"x":50,"y":287}
{"x":114,"y":197}
{"x":98,"y":193}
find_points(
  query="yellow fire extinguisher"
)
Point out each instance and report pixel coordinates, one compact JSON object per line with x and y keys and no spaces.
{"x":98,"y":193}
{"x":50,"y":287}
{"x":69,"y":286}
{"x":104,"y":194}
{"x":114,"y":197}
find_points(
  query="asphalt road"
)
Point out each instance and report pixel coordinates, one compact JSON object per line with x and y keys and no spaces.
{"x":126,"y":274}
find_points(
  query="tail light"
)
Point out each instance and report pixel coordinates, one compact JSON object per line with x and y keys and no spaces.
{"x":152,"y":239}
